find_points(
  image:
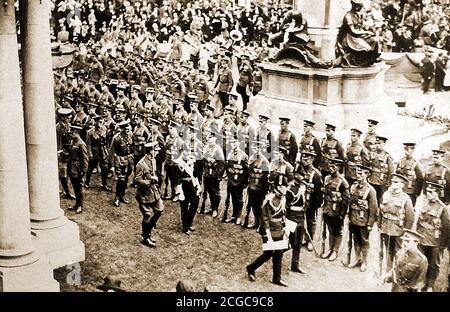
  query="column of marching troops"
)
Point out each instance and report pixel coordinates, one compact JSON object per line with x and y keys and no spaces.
{"x":160,"y":140}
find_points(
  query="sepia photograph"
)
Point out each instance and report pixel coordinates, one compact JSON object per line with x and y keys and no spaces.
{"x":240,"y":147}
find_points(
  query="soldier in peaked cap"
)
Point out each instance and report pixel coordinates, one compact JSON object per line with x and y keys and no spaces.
{"x":64,"y":139}
{"x":122,"y":159}
{"x":371,"y":132}
{"x":382,"y":165}
{"x":309,"y":143}
{"x":148,"y":193}
{"x":264,"y":134}
{"x":331,"y":148}
{"x":439,"y":173}
{"x":245,"y":132}
{"x":409,"y":167}
{"x":287,"y":140}
{"x":396,"y":214}
{"x":408,"y":274}
{"x":172,"y":149}
{"x":141,"y":135}
{"x":357,"y":154}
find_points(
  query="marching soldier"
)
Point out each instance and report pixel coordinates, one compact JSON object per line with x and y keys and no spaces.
{"x":331,"y":149}
{"x":237,"y":171}
{"x":263,"y":134}
{"x":122,"y":159}
{"x":409,"y":167}
{"x":371,"y":134}
{"x":63,"y":142}
{"x":382,"y":166}
{"x":363,"y":209}
{"x":224,"y":82}
{"x":439,"y":173}
{"x":309,"y":142}
{"x":165,"y":114}
{"x":408,"y":274}
{"x":335,"y":205}
{"x":172,"y":148}
{"x":287,"y":140}
{"x":97,"y":146}
{"x":77,"y":166}
{"x":272,"y":230}
{"x":312,"y":178}
{"x":81,"y":118}
{"x":148,"y":193}
{"x":396,"y":214}
{"x":357,"y":154}
{"x":257,"y":183}
{"x":141,"y":135}
{"x":434,"y":224}
{"x":213,"y":170}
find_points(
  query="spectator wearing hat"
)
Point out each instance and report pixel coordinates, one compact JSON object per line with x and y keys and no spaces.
{"x":408,"y":274}
{"x":335,"y":206}
{"x":309,"y":143}
{"x":97,"y":147}
{"x":64,"y":139}
{"x":427,"y":72}
{"x":331,"y":148}
{"x":382,"y":165}
{"x":396,"y":214}
{"x":434,"y":224}
{"x":287,"y":141}
{"x":409,"y":167}
{"x":363,"y":207}
{"x":122,"y":160}
{"x":439,"y":173}
{"x":439,"y":73}
{"x":224,"y":82}
{"x":148,"y":193}
{"x":77,"y":165}
{"x":357,"y":154}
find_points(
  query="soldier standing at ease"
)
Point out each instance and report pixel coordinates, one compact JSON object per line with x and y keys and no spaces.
{"x":122,"y":159}
{"x":97,"y":145}
{"x":382,"y":166}
{"x":371,"y":134}
{"x":331,"y":149}
{"x":408,"y":274}
{"x":272,"y":229}
{"x":63,"y":142}
{"x":245,"y":133}
{"x":409,"y":167}
{"x":287,"y":141}
{"x":148,"y":193}
{"x":357,"y":154}
{"x":396,"y":214}
{"x":77,"y":166}
{"x":309,"y":142}
{"x":335,"y":205}
{"x":434,"y":224}
{"x":280,"y":171}
{"x":363,"y":209}
{"x":439,"y":173}
{"x":263,"y":134}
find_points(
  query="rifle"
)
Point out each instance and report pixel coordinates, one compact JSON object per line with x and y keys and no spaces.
{"x":324,"y":235}
{"x":349,"y":249}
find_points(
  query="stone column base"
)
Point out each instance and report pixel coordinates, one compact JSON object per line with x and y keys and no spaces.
{"x":34,"y":277}
{"x":61,"y":245}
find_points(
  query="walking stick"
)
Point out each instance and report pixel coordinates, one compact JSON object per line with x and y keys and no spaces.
{"x":308,"y":235}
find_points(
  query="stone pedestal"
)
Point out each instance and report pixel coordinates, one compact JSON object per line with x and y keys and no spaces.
{"x":324,"y":20}
{"x":57,"y":237}
{"x":344,"y":96}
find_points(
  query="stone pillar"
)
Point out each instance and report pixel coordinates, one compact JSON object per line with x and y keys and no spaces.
{"x":21,"y":269}
{"x":324,"y":20}
{"x":56,"y":235}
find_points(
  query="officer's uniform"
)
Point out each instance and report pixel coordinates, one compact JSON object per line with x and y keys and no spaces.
{"x":148,"y":194}
{"x":237,"y":171}
{"x":288,"y":141}
{"x":410,"y":168}
{"x":77,"y":167}
{"x":396,"y":214}
{"x":363,"y":208}
{"x":434,"y":224}
{"x":97,"y":145}
{"x":63,"y":142}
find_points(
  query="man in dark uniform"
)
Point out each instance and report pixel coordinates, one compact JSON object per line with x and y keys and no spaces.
{"x":309,"y":143}
{"x":439,"y":173}
{"x":97,"y":145}
{"x":427,"y":72}
{"x":141,"y":135}
{"x":77,"y":166}
{"x":408,"y":274}
{"x":148,"y":193}
{"x":229,"y":130}
{"x":63,"y":143}
{"x":245,"y":132}
{"x":287,"y":140}
{"x":434,"y":224}
{"x":224,"y":82}
{"x":272,"y":230}
{"x":371,"y":134}
{"x":263,"y":134}
{"x":363,"y":209}
{"x":335,"y":205}
{"x":409,"y":167}
{"x":331,"y":148}
{"x":396,"y":214}
{"x":382,"y":166}
{"x":122,"y":159}
{"x":257,"y":183}
{"x":280,"y":171}
{"x":357,"y":154}
{"x":237,"y":172}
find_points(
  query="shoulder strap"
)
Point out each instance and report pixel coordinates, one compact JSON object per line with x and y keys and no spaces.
{"x":366,"y":193}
